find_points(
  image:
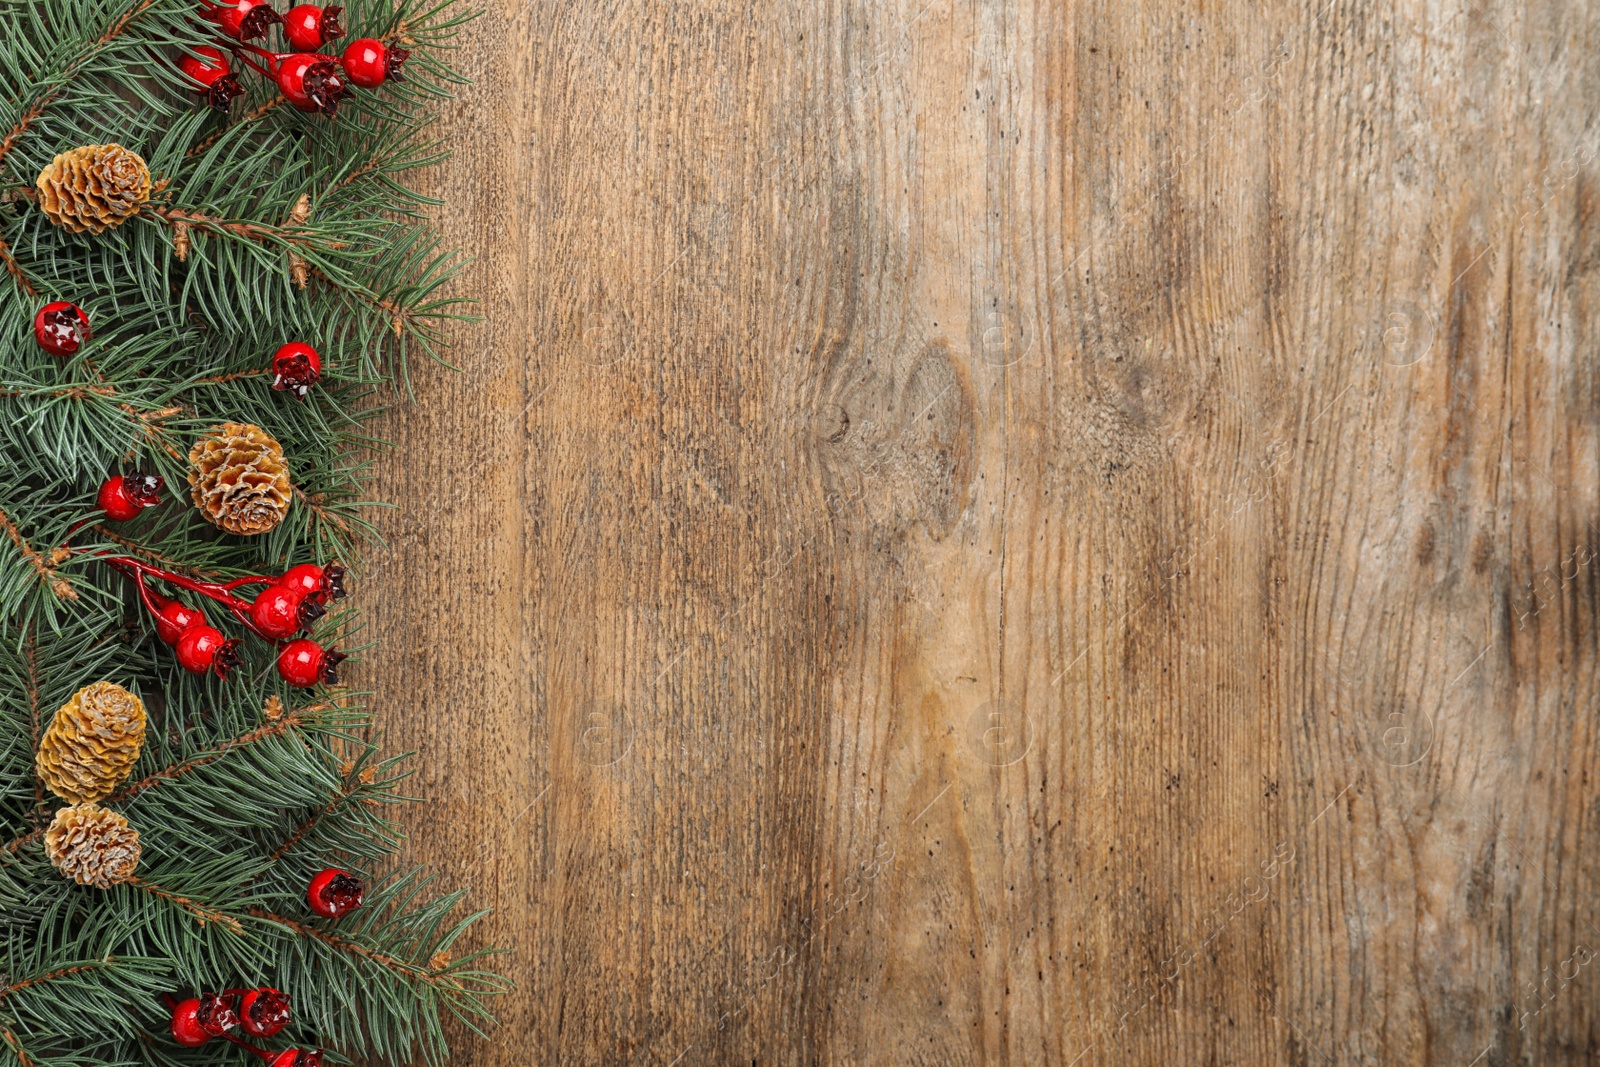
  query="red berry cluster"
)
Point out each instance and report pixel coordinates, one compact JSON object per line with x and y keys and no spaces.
{"x":287,"y":604}
{"x":308,"y":79}
{"x":260,"y":1012}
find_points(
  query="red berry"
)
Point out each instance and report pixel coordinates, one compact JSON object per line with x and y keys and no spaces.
{"x":210,"y":68}
{"x":309,"y":27}
{"x":311,"y":82}
{"x":215,"y":1014}
{"x":124,"y":498}
{"x":369,"y":62}
{"x":186,"y":1028}
{"x":296,"y":367}
{"x":304,"y":663}
{"x":244,"y":19}
{"x":324,"y":583}
{"x":202,"y":648}
{"x":279,"y":611}
{"x":263,"y":1012}
{"x":60,"y":328}
{"x":173,"y":618}
{"x":297,"y":1057}
{"x":333,"y":893}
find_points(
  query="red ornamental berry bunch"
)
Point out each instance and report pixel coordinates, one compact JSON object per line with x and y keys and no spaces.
{"x":260,"y":1012}
{"x":287,"y":603}
{"x":308,"y":78}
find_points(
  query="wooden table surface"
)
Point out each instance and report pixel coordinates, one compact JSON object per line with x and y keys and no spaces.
{"x":1014,"y":532}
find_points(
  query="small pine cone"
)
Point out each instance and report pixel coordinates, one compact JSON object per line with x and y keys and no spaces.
{"x":239,"y":478}
{"x":92,"y":743}
{"x":92,"y":845}
{"x":94,"y":188}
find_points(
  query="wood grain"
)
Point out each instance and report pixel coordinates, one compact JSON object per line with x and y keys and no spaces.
{"x":1014,"y":532}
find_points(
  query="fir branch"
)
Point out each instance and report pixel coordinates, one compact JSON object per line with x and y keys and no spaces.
{"x":203,"y":915}
{"x":14,"y":269}
{"x":32,"y":115}
{"x":47,"y":572}
{"x":152,"y":556}
{"x":352,"y":784}
{"x":253,"y":115}
{"x":354,"y":948}
{"x":30,"y":652}
{"x":17,"y":1049}
{"x":271,"y":728}
{"x":8,"y":988}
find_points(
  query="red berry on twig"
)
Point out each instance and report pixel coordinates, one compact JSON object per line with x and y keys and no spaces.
{"x":311,"y":82}
{"x":60,"y":328}
{"x":333,"y":893}
{"x":186,"y":1028}
{"x":297,"y":1057}
{"x":244,"y":19}
{"x":202,"y":648}
{"x":279,"y":611}
{"x":215,"y":1014}
{"x":296,"y":367}
{"x":370,"y":62}
{"x":324,"y":583}
{"x":263,"y":1012}
{"x":173,"y":618}
{"x":124,"y":498}
{"x":304,"y":663}
{"x":211,"y":69}
{"x":309,"y":27}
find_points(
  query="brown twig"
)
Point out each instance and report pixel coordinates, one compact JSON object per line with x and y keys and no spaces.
{"x":47,"y":976}
{"x":201,"y":913}
{"x":17,"y":1049}
{"x":153,"y":556}
{"x":178,"y":770}
{"x":38,"y":108}
{"x":321,"y":512}
{"x":58,"y":585}
{"x":248,"y":116}
{"x":383,"y":959}
{"x":14,"y":269}
{"x":350,"y":786}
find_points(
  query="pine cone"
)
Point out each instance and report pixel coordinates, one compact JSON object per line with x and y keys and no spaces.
{"x":92,"y":744}
{"x":92,"y":846}
{"x":239,"y":478}
{"x":94,"y":187}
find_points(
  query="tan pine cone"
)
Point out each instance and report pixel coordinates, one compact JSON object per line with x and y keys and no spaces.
{"x":239,"y":478}
{"x":92,"y":743}
{"x":92,"y":845}
{"x":94,"y":188}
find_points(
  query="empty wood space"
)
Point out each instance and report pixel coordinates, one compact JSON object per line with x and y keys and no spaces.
{"x":1014,"y":532}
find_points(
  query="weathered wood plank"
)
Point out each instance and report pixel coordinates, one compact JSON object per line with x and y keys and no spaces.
{"x":1011,"y":532}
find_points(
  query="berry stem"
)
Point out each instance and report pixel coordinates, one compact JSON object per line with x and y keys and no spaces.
{"x":242,"y":1043}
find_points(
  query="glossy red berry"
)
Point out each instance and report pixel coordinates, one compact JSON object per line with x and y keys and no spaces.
{"x":296,"y":367}
{"x":324,"y":583}
{"x":280,"y":611}
{"x":304,"y":663}
{"x":370,"y":62}
{"x":244,"y":19}
{"x":186,"y":1028}
{"x":60,"y":328}
{"x":123,"y":498}
{"x":202,"y":648}
{"x":333,"y":893}
{"x":263,"y":1012}
{"x":311,"y":82}
{"x":309,"y":27}
{"x":215,"y":1014}
{"x":216,"y":79}
{"x":297,"y":1057}
{"x":173,"y":618}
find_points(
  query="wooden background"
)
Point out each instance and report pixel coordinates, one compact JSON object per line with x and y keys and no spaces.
{"x":1015,"y":532}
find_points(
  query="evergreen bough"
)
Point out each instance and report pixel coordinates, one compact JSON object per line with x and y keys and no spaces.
{"x":265,"y":225}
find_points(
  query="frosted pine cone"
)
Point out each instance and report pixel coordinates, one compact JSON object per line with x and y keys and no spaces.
{"x":92,"y":846}
{"x":94,"y":188}
{"x":239,"y":478}
{"x":92,"y":744}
